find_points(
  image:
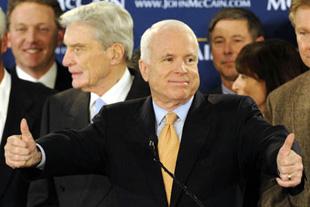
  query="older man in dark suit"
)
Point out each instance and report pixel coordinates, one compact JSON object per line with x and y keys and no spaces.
{"x":190,"y":134}
{"x":99,"y":74}
{"x":18,"y":99}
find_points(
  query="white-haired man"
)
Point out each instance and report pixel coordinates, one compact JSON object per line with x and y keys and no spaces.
{"x":189,"y":133}
{"x":99,"y":40}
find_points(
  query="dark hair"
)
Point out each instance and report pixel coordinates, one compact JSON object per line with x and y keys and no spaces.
{"x":274,"y":61}
{"x":254,"y":24}
{"x":133,"y":63}
{"x":53,"y":4}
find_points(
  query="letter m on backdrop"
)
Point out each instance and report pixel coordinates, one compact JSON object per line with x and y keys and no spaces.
{"x":278,"y":5}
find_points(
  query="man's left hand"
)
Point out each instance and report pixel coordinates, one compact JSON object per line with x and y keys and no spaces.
{"x":289,"y":164}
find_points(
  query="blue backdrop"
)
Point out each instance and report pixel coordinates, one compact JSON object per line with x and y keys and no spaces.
{"x":197,"y":14}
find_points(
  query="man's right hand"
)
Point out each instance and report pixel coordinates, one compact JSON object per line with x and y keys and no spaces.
{"x":21,"y":150}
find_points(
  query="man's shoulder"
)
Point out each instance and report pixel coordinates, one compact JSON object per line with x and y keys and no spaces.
{"x":226,"y":98}
{"x":36,"y":89}
{"x":291,"y":87}
{"x":128,"y":104}
{"x":69,"y":95}
{"x":229,"y":104}
{"x":216,"y":90}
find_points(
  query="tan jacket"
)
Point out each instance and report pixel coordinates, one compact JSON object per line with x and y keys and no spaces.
{"x":289,"y":105}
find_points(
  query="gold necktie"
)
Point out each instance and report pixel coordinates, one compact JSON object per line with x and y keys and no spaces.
{"x":168,"y":147}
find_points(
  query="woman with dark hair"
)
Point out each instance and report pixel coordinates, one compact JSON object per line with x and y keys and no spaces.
{"x":264,"y":66}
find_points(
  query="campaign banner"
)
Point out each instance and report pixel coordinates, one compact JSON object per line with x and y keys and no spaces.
{"x":197,"y":14}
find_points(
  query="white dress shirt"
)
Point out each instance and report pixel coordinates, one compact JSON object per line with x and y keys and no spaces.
{"x":5,"y":90}
{"x":48,"y":79}
{"x":225,"y":90}
{"x":117,"y":93}
{"x":181,"y":113}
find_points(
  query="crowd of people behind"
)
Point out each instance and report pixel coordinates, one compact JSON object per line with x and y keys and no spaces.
{"x":230,"y":149}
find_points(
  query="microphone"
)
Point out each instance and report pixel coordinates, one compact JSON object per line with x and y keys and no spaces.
{"x":179,"y":183}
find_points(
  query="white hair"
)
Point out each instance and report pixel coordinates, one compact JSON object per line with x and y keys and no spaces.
{"x":112,"y":23}
{"x":2,"y":23}
{"x":147,"y":36}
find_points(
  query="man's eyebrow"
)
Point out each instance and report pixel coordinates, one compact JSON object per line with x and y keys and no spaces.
{"x":75,"y":45}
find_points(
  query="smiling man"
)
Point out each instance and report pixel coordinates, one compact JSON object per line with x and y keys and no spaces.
{"x":210,"y":153}
{"x":33,"y":36}
{"x":17,"y":100}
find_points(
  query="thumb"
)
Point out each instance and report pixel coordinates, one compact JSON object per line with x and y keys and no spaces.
{"x":286,"y":147}
{"x":24,"y":129}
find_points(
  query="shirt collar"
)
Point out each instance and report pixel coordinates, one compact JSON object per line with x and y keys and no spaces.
{"x":118,"y":92}
{"x":5,"y":90}
{"x":5,"y":80}
{"x":181,"y":111}
{"x":48,"y":79}
{"x":225,"y":90}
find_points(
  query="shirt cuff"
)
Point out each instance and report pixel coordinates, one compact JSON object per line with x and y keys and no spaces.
{"x":41,"y":165}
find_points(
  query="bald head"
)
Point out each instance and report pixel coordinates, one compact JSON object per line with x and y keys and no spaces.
{"x":169,"y":59}
{"x":161,"y":31}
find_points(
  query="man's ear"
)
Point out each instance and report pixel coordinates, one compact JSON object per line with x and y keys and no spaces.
{"x":144,"y":70}
{"x":4,"y":43}
{"x":118,"y":53}
{"x":60,"y":36}
{"x":8,"y":37}
{"x":259,"y":39}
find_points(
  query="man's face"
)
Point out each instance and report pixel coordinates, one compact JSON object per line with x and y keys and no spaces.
{"x":87,"y":60}
{"x":227,"y":39}
{"x":33,"y":36}
{"x":172,"y":70}
{"x":302,"y":30}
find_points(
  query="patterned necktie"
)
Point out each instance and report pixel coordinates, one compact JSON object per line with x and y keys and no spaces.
{"x":168,"y":147}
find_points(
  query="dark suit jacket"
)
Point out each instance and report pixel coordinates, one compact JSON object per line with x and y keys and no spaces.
{"x":25,"y":101}
{"x":217,"y":90}
{"x":63,"y":77}
{"x":70,"y":109}
{"x":252,"y":192}
{"x":223,"y":137}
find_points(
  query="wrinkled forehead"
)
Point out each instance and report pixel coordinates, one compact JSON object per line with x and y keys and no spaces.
{"x":80,"y":32}
{"x":169,"y":43}
{"x":30,"y":13}
{"x":302,"y":16}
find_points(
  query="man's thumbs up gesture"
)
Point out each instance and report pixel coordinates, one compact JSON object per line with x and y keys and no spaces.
{"x":21,"y":150}
{"x":289,"y":164}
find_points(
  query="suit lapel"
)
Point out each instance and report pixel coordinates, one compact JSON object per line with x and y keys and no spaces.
{"x":19,"y":106}
{"x":78,"y":110}
{"x":145,"y":125}
{"x":21,"y":102}
{"x":195,"y":132}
